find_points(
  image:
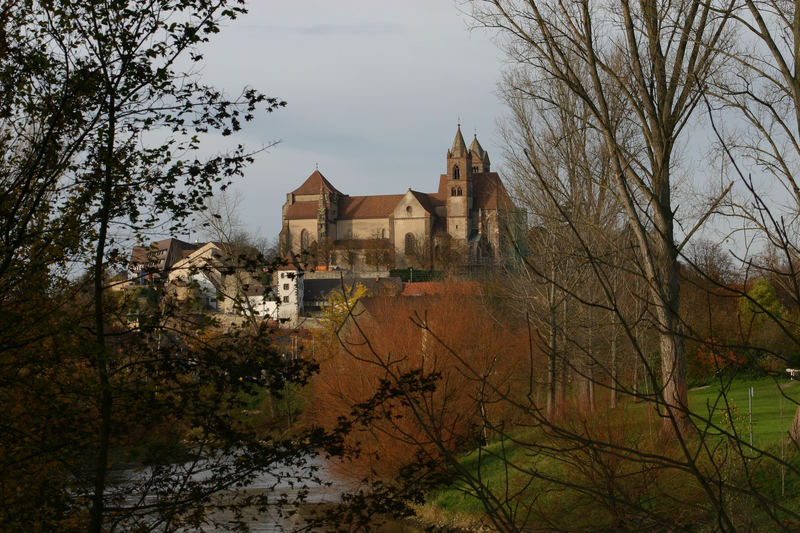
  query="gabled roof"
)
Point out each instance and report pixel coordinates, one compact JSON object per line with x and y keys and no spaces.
{"x":351,"y":207}
{"x":175,"y":250}
{"x":302,"y":210}
{"x":489,"y":192}
{"x":459,"y":146}
{"x":202,"y":250}
{"x":424,"y":200}
{"x":227,"y":255}
{"x":313,"y":184}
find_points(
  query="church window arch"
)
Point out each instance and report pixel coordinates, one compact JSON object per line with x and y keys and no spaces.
{"x":383,"y":233}
{"x":409,"y":210}
{"x":456,"y":172}
{"x":453,"y":191}
{"x":459,"y":191}
{"x":304,"y":239}
{"x":410,"y":243}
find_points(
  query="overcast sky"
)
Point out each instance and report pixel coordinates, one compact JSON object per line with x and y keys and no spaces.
{"x":375,"y":89}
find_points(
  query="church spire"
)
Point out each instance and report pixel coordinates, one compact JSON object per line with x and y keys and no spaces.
{"x":476,"y":148}
{"x":459,"y":146}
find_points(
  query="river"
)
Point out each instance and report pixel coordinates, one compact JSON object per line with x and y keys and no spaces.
{"x":319,"y":499}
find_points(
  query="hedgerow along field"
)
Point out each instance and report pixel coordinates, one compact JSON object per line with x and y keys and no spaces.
{"x":726,"y":399}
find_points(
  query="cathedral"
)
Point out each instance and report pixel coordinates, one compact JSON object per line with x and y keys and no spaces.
{"x":462,"y":223}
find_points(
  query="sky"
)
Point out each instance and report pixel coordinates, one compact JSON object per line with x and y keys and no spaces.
{"x":375,"y":90}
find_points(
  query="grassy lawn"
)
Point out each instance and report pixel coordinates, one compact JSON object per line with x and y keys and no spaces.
{"x":665,"y":492}
{"x":772,"y":411}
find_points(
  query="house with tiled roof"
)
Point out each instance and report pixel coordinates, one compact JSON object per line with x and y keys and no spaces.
{"x":156,"y":260}
{"x":459,"y":224}
{"x":439,"y":288}
{"x":226,"y":276}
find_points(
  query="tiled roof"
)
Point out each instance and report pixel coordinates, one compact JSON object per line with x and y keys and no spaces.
{"x":302,"y":210}
{"x":489,"y":192}
{"x":428,"y":288}
{"x":442,"y":194}
{"x":183,"y":246}
{"x":141,"y":255}
{"x":351,"y":207}
{"x":424,"y":200}
{"x":313,"y":184}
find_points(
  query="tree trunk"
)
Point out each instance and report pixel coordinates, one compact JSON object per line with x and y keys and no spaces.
{"x":552,"y":372}
{"x":101,"y":359}
{"x":794,"y":433}
{"x":613,"y":363}
{"x":666,"y":292}
{"x":562,"y":381}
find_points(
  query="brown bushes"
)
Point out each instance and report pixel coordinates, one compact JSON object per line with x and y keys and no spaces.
{"x":424,"y":375}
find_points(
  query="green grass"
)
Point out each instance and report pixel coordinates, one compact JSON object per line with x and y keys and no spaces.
{"x":669,"y":493}
{"x":772,"y":412}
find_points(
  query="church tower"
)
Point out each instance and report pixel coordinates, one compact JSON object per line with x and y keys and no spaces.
{"x":480,"y":158}
{"x":459,"y":188}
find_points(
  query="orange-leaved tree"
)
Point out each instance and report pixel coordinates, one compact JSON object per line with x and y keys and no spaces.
{"x":422,"y":377}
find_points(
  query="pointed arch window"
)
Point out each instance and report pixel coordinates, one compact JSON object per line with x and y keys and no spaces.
{"x":410,"y":244}
{"x":456,"y":172}
{"x":303,"y":240}
{"x":459,"y":191}
{"x":453,"y":191}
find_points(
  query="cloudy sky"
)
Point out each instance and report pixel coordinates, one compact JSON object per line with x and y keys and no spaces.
{"x":375,"y":89}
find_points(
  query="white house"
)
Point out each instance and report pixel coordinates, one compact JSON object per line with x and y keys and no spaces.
{"x":226,"y":276}
{"x":288,"y":281}
{"x":199,"y":270}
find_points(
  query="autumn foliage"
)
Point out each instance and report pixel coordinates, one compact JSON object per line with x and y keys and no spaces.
{"x":715,"y":358}
{"x":422,"y":377}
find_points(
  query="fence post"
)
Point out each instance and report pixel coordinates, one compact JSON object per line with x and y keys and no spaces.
{"x":750,"y":401}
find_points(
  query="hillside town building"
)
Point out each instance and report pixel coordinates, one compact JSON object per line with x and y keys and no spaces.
{"x":459,"y":224}
{"x":231,"y":281}
{"x":155,"y":261}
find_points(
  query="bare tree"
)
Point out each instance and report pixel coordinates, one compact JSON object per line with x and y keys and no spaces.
{"x":242,"y":267}
{"x":765,"y":91}
{"x":559,"y":172}
{"x":638,"y":69}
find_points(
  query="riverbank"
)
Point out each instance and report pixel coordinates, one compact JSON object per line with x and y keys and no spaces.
{"x":430,"y":517}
